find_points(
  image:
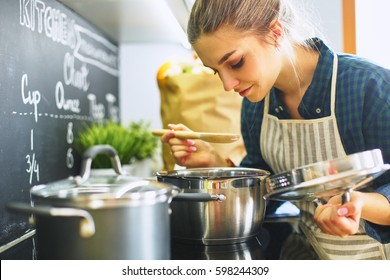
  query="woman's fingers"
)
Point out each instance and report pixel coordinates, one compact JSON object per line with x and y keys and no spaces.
{"x":182,"y":150}
{"x":330,"y":221}
{"x":179,"y":126}
{"x":167,"y":136}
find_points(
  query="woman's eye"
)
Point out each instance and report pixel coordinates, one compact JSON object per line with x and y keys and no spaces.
{"x":238,"y":64}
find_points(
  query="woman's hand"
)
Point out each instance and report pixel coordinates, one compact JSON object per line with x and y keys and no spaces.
{"x":342,"y":220}
{"x":189,"y":152}
{"x":337,"y":219}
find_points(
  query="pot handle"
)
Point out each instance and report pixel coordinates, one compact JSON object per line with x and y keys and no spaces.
{"x":199,"y":197}
{"x":87,"y":225}
{"x":91,"y":153}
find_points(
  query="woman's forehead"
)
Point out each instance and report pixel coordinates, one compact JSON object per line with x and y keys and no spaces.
{"x":212,"y":47}
{"x":218,"y":43}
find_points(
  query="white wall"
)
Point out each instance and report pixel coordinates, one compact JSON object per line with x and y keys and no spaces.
{"x":139,"y":94}
{"x":330,"y":21}
{"x":372,"y":34}
{"x":139,"y":64}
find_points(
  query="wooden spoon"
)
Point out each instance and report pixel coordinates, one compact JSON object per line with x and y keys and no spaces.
{"x":205,"y":136}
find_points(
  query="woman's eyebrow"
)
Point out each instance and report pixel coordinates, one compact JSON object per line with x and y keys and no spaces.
{"x":225,"y":57}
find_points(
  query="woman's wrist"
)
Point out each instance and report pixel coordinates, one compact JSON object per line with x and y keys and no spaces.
{"x":229,"y":162}
{"x":217,"y":161}
{"x":375,"y":207}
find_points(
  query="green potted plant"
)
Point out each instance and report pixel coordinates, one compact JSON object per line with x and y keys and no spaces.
{"x":133,"y":143}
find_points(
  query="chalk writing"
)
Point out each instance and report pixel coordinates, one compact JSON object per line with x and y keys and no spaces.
{"x":113,"y":111}
{"x":30,"y":97}
{"x":96,"y":110}
{"x":69,"y":158}
{"x":96,"y":50}
{"x":72,"y":105}
{"x":69,"y":140}
{"x":32,"y":164}
{"x":69,"y":134}
{"x":72,"y":76}
{"x":36,"y":15}
{"x":88,"y":46}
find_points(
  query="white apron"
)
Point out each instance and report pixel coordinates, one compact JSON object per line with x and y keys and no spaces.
{"x":287,"y":144}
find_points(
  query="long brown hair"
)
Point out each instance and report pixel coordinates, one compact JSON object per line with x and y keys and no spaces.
{"x":250,"y":16}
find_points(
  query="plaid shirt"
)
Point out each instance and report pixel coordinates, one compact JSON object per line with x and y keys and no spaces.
{"x":362,"y":111}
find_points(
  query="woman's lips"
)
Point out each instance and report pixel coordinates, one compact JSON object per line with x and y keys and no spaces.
{"x":245,"y":91}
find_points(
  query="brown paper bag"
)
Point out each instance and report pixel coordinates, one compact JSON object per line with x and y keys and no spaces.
{"x":200,"y":102}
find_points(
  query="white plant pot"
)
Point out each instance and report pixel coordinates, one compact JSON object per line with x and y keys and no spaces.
{"x":142,"y":168}
{"x":139,"y":168}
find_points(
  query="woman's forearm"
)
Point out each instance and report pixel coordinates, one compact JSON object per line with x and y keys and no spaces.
{"x":376,"y":208}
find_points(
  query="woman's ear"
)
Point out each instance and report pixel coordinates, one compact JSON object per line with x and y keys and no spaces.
{"x":276,"y":29}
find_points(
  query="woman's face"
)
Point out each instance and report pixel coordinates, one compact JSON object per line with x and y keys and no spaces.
{"x":245,"y":63}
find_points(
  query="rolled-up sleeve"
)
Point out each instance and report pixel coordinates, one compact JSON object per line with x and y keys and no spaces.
{"x":379,"y":232}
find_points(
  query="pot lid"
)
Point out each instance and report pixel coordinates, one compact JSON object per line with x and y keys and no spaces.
{"x":106,"y":189}
{"x":103,"y":190}
{"x":213,"y":173}
{"x":327,"y":178}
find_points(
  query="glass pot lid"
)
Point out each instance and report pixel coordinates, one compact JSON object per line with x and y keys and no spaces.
{"x":213,"y":173}
{"x":327,"y":178}
{"x":105,"y":189}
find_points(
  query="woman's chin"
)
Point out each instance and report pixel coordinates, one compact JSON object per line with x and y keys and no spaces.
{"x":256,"y":97}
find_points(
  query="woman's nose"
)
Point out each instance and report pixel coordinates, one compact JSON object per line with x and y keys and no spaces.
{"x":229,"y":82}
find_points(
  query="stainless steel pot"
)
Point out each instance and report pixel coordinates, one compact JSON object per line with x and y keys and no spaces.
{"x":101,"y":216}
{"x":218,"y":205}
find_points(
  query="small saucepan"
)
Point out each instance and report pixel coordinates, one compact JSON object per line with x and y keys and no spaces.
{"x":216,"y":205}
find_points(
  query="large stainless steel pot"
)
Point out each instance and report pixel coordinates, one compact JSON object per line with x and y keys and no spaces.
{"x":232,"y":210}
{"x":101,"y":216}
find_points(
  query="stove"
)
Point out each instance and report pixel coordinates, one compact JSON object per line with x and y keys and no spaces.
{"x":249,"y":250}
{"x":275,"y":238}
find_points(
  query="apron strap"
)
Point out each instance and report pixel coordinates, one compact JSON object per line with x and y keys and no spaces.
{"x":333,"y":85}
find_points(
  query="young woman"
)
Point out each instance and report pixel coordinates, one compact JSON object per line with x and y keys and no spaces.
{"x":303,"y":103}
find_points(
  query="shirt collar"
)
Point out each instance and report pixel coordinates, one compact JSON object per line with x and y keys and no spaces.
{"x":316,"y":101}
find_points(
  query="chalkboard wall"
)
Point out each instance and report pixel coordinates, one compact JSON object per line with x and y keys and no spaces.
{"x":57,"y":73}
